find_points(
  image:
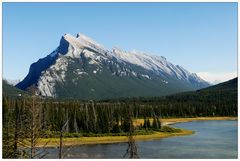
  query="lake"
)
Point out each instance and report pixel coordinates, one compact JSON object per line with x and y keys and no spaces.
{"x":212,"y":139}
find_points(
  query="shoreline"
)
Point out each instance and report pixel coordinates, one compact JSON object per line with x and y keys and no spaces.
{"x":53,"y":142}
{"x":170,"y":121}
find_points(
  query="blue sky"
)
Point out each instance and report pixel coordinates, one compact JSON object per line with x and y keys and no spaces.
{"x":202,"y":37}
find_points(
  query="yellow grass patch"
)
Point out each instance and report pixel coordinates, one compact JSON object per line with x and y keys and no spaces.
{"x":54,"y":142}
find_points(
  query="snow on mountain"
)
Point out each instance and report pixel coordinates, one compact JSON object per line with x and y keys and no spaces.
{"x":53,"y":69}
{"x":89,"y":42}
{"x":13,"y":81}
{"x":158,"y":64}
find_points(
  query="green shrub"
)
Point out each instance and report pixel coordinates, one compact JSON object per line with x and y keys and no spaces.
{"x":169,"y":129}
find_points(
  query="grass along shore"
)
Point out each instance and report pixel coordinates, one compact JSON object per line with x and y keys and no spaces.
{"x":169,"y":121}
{"x":54,"y":142}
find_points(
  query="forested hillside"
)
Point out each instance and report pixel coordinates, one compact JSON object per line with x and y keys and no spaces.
{"x":11,"y":91}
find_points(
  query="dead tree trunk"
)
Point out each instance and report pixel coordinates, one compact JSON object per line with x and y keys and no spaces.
{"x":94,"y":117}
{"x":61,"y":146}
{"x":60,"y":154}
{"x":16,"y":130}
{"x":132,"y":148}
{"x":34,"y":132}
{"x":33,"y":128}
{"x":75,"y":122}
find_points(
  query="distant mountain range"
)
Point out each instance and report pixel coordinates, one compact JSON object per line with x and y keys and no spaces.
{"x":83,"y":69}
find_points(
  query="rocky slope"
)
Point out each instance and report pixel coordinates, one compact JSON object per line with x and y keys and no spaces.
{"x":81,"y":68}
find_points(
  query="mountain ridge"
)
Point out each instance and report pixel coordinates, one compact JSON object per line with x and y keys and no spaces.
{"x":78,"y":59}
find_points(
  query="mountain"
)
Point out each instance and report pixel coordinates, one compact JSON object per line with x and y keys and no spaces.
{"x":13,"y":81}
{"x":217,"y":100}
{"x":228,"y":86}
{"x":81,"y":68}
{"x":11,"y":91}
{"x":226,"y":91}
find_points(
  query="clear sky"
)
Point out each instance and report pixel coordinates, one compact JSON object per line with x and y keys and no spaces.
{"x":201,"y":37}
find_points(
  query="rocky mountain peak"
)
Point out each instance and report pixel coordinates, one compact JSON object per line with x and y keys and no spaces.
{"x":82,"y":68}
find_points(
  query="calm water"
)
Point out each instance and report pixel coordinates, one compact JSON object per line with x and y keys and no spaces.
{"x":212,"y":139}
